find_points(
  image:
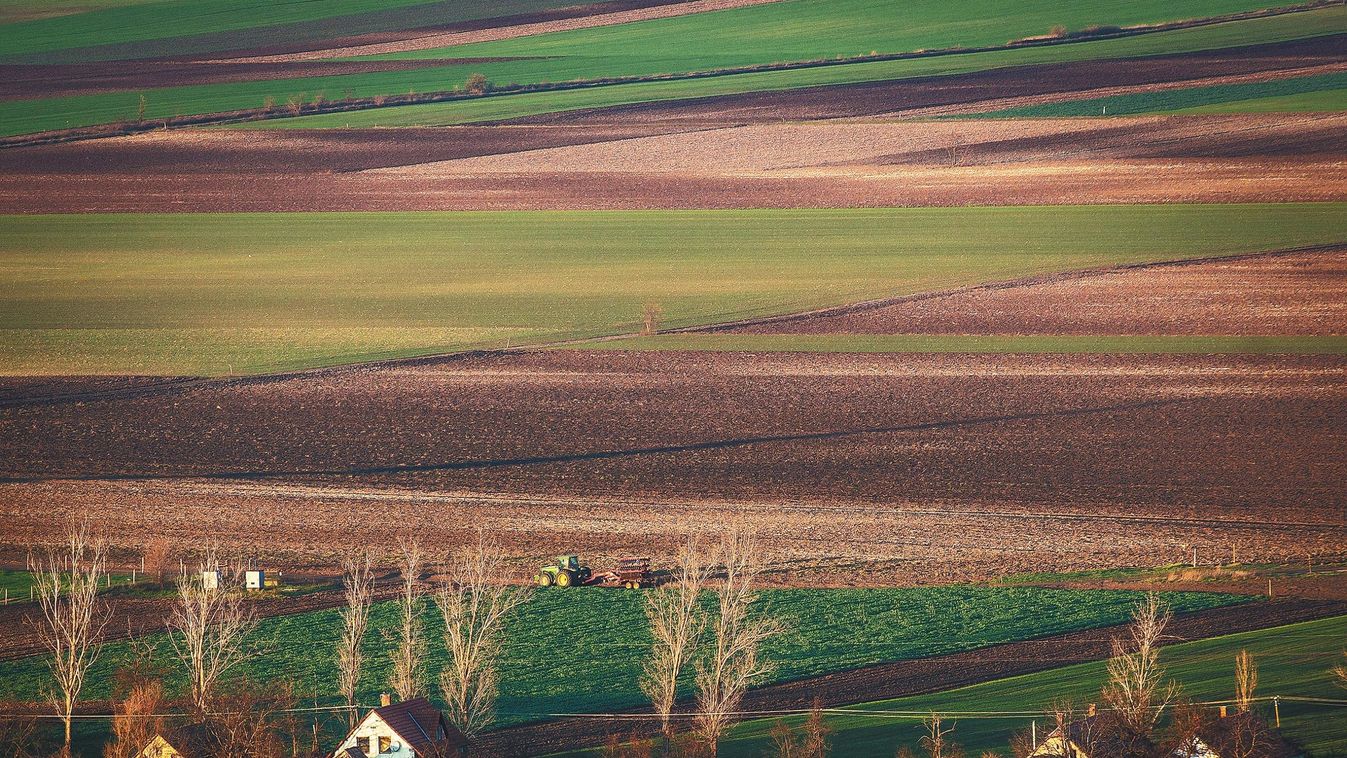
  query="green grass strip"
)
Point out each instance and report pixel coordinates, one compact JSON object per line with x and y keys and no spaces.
{"x":1324,"y":92}
{"x":1275,"y":29}
{"x":974,"y":343}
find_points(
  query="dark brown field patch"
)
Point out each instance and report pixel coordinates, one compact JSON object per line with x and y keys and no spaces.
{"x":927,"y":466}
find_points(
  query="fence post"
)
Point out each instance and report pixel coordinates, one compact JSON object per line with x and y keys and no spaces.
{"x":1033,"y":729}
{"x":1277,"y":709}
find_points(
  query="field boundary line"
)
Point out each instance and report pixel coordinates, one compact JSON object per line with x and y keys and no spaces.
{"x":1027,"y":281}
{"x":174,"y":385}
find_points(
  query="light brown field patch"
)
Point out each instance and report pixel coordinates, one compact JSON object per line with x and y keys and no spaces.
{"x":1254,"y":295}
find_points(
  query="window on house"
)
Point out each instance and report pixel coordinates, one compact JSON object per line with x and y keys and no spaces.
{"x":363,"y":744}
{"x":385,"y":745}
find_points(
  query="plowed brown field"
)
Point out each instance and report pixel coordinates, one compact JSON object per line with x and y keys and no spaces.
{"x":658,"y":165}
{"x":1299,"y":293}
{"x":933,"y":467}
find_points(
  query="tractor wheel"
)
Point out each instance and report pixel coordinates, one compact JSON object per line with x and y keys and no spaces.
{"x":543,"y":579}
{"x":564,"y":579}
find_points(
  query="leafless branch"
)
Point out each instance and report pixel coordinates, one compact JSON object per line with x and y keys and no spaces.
{"x":735,"y":658}
{"x":474,"y":604}
{"x":65,"y":582}
{"x":208,"y":628}
{"x":409,"y":652}
{"x":358,"y":579}
{"x":677,"y":621}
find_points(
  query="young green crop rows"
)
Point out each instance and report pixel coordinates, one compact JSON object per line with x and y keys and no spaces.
{"x":246,"y":293}
{"x":564,"y":641}
{"x":1293,"y":661}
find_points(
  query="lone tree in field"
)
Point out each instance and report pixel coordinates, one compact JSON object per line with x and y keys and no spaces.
{"x":1340,"y":673}
{"x":1246,"y":680}
{"x":409,"y":651}
{"x":208,"y":627}
{"x":734,"y":660}
{"x":677,"y":621}
{"x":651,"y":313}
{"x":477,"y":84}
{"x":936,"y":741}
{"x":65,"y":582}
{"x":1135,"y":688}
{"x":157,"y":555}
{"x":358,"y":579}
{"x":474,"y":604}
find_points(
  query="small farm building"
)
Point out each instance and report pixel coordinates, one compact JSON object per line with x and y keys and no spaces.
{"x":1240,"y":735}
{"x":179,"y":742}
{"x":410,"y":729}
{"x":1095,"y":736}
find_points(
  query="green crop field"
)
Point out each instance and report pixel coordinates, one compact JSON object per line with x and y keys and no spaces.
{"x":1293,"y":661}
{"x":812,"y":29}
{"x":238,"y":293}
{"x":116,"y":29}
{"x":965,"y":343}
{"x":19,"y":117}
{"x":1275,"y":29}
{"x":1325,"y":92}
{"x":600,"y":636}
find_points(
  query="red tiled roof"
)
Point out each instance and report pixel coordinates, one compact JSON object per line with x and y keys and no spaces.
{"x":419,"y":724}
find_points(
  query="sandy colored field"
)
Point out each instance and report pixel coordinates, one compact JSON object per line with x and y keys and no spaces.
{"x":626,"y":164}
{"x":930,"y":467}
{"x":1269,"y":295}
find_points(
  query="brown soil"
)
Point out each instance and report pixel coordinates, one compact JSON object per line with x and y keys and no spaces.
{"x":1302,"y":293}
{"x":904,"y":678}
{"x":1233,"y":159}
{"x":927,"y":467}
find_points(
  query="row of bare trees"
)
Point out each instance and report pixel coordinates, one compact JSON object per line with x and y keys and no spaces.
{"x":706,"y":622}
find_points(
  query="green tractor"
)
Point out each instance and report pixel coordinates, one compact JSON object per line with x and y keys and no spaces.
{"x":567,"y":572}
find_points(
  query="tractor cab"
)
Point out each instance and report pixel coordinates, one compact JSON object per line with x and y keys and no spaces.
{"x":566,"y":572}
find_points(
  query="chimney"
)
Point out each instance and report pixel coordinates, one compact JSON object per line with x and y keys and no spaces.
{"x":1223,"y":711}
{"x":1090,"y":710}
{"x":385,"y":699}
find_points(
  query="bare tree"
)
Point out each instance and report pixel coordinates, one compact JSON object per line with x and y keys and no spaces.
{"x":136,"y":720}
{"x":208,"y":629}
{"x":65,"y":582}
{"x":1340,"y":673}
{"x":1135,"y":688}
{"x":735,"y":659}
{"x":650,"y":316}
{"x":1246,"y":680}
{"x":358,"y":579}
{"x":474,"y":604}
{"x":811,"y":740}
{"x":677,"y":621}
{"x":157,"y":555}
{"x":409,"y":652}
{"x":936,"y":741}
